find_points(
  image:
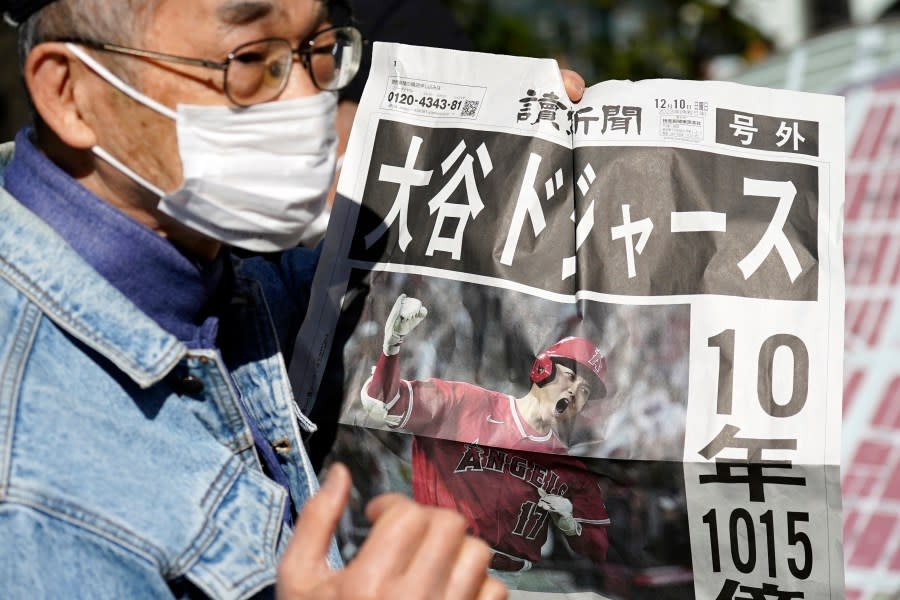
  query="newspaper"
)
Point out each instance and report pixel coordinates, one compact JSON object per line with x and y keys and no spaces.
{"x":607,"y":332}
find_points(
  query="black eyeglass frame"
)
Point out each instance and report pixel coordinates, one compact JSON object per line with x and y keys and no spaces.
{"x":302,"y":54}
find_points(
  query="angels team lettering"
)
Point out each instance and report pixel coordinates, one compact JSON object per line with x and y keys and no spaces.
{"x":478,"y":459}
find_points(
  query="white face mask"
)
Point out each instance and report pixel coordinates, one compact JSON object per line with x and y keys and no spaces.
{"x":253,"y":177}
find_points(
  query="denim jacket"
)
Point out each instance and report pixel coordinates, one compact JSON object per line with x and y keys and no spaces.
{"x":127,"y":469}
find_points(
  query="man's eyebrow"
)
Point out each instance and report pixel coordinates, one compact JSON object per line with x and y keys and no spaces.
{"x":241,"y":12}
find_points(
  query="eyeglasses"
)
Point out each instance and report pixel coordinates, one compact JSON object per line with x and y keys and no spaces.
{"x":258,"y":71}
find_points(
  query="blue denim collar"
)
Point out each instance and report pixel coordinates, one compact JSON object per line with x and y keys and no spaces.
{"x":176,"y":291}
{"x":50,"y":216}
{"x":38,"y":262}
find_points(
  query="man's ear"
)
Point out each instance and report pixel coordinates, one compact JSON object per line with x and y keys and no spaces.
{"x":58,"y":85}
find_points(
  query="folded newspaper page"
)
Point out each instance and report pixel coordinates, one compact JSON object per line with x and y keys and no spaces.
{"x":609,"y":333}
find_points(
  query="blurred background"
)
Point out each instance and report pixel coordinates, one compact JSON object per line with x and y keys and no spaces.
{"x":617,"y":39}
{"x":847,"y":47}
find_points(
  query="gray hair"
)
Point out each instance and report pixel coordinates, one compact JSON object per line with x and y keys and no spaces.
{"x":119,"y":22}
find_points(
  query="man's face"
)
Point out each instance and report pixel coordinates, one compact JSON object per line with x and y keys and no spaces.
{"x":565,"y":395}
{"x":210,"y":29}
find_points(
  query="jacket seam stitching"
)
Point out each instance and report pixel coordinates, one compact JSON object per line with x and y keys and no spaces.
{"x":271,"y":527}
{"x":311,"y":480}
{"x":182,"y":564}
{"x":112,"y":531}
{"x":288,"y":391}
{"x":64,"y":318}
{"x":10,"y":381}
{"x":212,"y":498}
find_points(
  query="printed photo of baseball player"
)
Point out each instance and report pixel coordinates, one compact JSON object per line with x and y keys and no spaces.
{"x":548,"y":425}
{"x":564,"y":378}
{"x":470,"y":439}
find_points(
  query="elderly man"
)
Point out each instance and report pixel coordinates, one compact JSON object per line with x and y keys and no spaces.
{"x":149,"y":442}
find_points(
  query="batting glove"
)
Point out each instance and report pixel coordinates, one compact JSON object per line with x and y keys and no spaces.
{"x":376,"y":410}
{"x":560,"y":509}
{"x":406,"y":314}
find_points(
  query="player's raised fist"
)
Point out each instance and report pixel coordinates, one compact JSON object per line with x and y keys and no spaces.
{"x":405,"y":315}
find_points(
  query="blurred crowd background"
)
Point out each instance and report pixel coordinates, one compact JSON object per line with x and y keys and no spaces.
{"x":602,"y":39}
{"x":847,"y":47}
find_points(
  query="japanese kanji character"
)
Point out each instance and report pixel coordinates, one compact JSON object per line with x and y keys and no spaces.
{"x":406,"y":177}
{"x":548,"y":105}
{"x":578,"y":118}
{"x":618,"y":118}
{"x":789,"y":132}
{"x":768,"y":590}
{"x":755,"y":478}
{"x":462,"y":212}
{"x":743,"y":128}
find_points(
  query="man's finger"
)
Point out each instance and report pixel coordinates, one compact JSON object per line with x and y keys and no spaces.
{"x":492,"y":589}
{"x":317,"y":521}
{"x":442,"y":545}
{"x":574,"y":84}
{"x":469,"y":570}
{"x":398,"y":528}
{"x":381,"y":504}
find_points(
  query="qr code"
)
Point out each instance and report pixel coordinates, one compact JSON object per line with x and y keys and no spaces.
{"x":470,"y":108}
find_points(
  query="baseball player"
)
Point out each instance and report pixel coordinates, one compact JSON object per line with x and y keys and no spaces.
{"x":493,"y":457}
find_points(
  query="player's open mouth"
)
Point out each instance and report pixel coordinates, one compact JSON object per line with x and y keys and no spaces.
{"x":561,"y":406}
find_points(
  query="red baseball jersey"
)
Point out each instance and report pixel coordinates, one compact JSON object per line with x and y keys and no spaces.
{"x":497,"y":491}
{"x":473,"y":452}
{"x":457,"y":411}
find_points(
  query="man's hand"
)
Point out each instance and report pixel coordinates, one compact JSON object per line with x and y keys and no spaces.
{"x":412,"y":552}
{"x":406,"y":314}
{"x":560,"y":509}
